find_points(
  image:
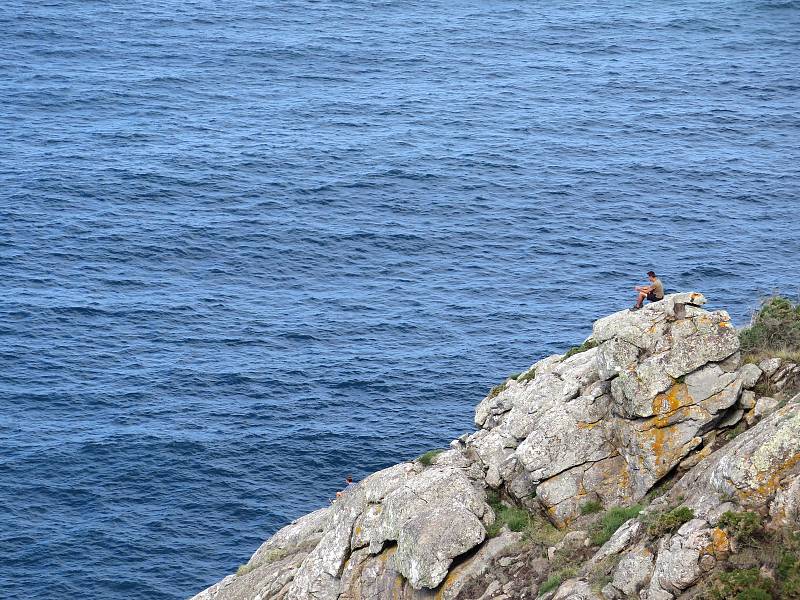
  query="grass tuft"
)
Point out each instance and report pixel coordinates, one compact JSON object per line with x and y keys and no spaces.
{"x":556,"y":579}
{"x":427,"y":458}
{"x":528,"y":375}
{"x":591,"y":507}
{"x":497,"y":389}
{"x":587,"y":345}
{"x":611,"y":520}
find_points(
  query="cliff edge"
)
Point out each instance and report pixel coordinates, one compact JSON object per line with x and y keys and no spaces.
{"x":627,"y":467}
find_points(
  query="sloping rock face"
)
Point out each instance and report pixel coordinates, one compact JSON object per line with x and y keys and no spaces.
{"x":650,"y":394}
{"x":608,"y":423}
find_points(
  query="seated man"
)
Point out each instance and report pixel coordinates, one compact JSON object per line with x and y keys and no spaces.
{"x":350,"y":485}
{"x":653,"y":292}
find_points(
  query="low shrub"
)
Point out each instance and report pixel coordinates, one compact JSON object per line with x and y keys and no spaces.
{"x":587,"y":345}
{"x":611,"y":520}
{"x":740,"y":584}
{"x":497,"y":389}
{"x":774,"y":328}
{"x":742,"y":526}
{"x":427,"y":458}
{"x":527,"y":376}
{"x":662,"y":523}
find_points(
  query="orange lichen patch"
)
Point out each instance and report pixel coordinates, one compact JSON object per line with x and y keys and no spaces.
{"x":724,"y":323}
{"x":587,"y":425}
{"x":668,"y":402}
{"x":720,"y":543}
{"x":768,"y":481}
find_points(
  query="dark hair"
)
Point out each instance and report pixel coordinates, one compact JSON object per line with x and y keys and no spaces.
{"x":349,"y":478}
{"x":651,"y":273}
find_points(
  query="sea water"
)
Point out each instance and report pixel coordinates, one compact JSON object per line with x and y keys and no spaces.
{"x":248,"y":248}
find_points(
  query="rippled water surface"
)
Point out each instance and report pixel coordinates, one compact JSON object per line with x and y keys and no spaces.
{"x":249,"y":247}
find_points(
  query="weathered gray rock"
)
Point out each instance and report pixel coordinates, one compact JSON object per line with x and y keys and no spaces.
{"x":428,"y":543}
{"x":752,"y":468}
{"x":750,"y":374}
{"x":747,"y":400}
{"x":684,"y":557}
{"x":765,"y":406}
{"x":633,"y":573}
{"x":575,"y":589}
{"x":769,"y":366}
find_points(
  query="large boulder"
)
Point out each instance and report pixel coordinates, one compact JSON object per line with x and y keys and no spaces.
{"x":608,"y":422}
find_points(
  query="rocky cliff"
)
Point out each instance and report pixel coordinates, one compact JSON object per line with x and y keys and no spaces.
{"x":646,"y":463}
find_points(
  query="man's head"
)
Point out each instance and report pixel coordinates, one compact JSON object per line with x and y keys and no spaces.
{"x":349,"y":479}
{"x":651,"y":275}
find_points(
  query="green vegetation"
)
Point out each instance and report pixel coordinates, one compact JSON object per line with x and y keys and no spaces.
{"x":665,"y":522}
{"x":517,"y":519}
{"x":497,"y":389}
{"x":427,"y":458}
{"x":269,"y":557}
{"x":591,"y":507}
{"x":611,"y":520}
{"x":527,"y":376}
{"x":742,"y":526}
{"x":556,"y":579}
{"x":535,"y":528}
{"x":587,"y":345}
{"x":774,"y":330}
{"x":740,"y":584}
{"x":541,"y":531}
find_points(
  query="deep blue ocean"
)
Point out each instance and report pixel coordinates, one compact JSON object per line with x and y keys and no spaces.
{"x":247,"y":248}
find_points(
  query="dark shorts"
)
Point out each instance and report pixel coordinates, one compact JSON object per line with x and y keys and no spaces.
{"x":652,"y":297}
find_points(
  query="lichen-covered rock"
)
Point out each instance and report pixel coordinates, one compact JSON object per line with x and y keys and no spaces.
{"x":685,"y":556}
{"x":633,"y":573}
{"x":428,"y":543}
{"x":750,"y":375}
{"x":765,"y":406}
{"x":576,"y":589}
{"x":611,"y":421}
{"x":752,"y":468}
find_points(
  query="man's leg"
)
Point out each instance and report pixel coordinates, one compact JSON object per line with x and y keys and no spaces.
{"x":640,"y":301}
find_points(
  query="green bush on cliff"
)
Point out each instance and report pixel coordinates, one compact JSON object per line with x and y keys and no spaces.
{"x":774,"y":331}
{"x":427,"y":458}
{"x":611,"y":520}
{"x":740,"y":584}
{"x":587,"y":345}
{"x":742,"y":526}
{"x":591,"y":507}
{"x":668,"y":521}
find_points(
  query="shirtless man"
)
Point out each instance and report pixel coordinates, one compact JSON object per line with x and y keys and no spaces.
{"x":653,"y":292}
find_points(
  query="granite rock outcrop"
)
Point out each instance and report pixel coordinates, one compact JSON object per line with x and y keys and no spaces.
{"x":654,"y":396}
